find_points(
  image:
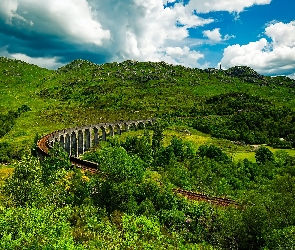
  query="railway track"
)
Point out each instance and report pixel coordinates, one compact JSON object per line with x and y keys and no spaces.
{"x":43,"y":151}
{"x":202,"y":197}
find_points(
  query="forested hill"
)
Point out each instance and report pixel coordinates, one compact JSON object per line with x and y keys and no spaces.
{"x":150,"y":86}
{"x":206,"y":119}
{"x":84,"y":93}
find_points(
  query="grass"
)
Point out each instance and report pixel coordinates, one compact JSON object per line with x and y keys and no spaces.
{"x":197,"y":139}
{"x":251,"y":155}
{"x":242,"y":155}
{"x":83,"y":93}
{"x":5,"y":172}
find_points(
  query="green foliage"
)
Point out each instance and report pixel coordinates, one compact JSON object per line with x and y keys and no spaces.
{"x":246,"y":118}
{"x":47,"y":228}
{"x":118,"y":165}
{"x":53,"y":182}
{"x":8,"y":120}
{"x":281,"y":238}
{"x":125,"y":205}
{"x":34,"y":146}
{"x":140,"y":146}
{"x":55,"y":166}
{"x":129,"y":203}
{"x":142,"y":232}
{"x":25,"y":187}
{"x":85,"y":93}
{"x":121,"y":178}
{"x":176,"y":151}
{"x":213,"y":152}
{"x":158,"y":136}
{"x":8,"y":152}
{"x":263,"y":155}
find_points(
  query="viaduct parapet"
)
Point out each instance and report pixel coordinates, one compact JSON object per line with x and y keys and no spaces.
{"x":75,"y":141}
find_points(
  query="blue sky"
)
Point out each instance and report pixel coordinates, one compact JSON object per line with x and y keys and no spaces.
{"x":194,"y":33}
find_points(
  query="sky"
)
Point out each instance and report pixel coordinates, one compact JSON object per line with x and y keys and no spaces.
{"x":194,"y":33}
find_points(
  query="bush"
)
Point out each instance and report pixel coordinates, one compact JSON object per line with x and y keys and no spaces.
{"x":263,"y":154}
{"x":47,"y":228}
{"x":213,"y":152}
{"x":25,"y":186}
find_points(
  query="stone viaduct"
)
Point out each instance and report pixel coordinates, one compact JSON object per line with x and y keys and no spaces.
{"x":75,"y":141}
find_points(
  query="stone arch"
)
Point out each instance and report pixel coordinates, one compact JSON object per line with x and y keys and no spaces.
{"x":68,"y":143}
{"x":118,"y":129}
{"x":80,"y":142}
{"x":74,"y":144}
{"x":55,"y":140}
{"x":111,"y":129}
{"x":87,"y":139}
{"x":149,"y":123}
{"x":141,"y":125}
{"x":95,"y":136}
{"x":76,"y":141}
{"x":103,"y":133}
{"x":126,"y":126}
{"x":62,"y":141}
{"x":133,"y":126}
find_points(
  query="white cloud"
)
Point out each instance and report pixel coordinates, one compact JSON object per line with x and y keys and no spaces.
{"x":148,"y":28}
{"x":183,"y":56}
{"x":8,"y":10}
{"x":115,"y":29}
{"x":281,"y":34}
{"x":44,"y":62}
{"x":213,"y":35}
{"x":143,"y":29}
{"x":49,"y":63}
{"x":70,"y":19}
{"x":129,"y":29}
{"x":203,"y":6}
{"x":274,"y":57}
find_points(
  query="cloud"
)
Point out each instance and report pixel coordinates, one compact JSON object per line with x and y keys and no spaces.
{"x":276,"y":56}
{"x":8,"y":10}
{"x":109,"y":30}
{"x":68,"y":19}
{"x":147,"y":28}
{"x":183,"y":56}
{"x":48,"y":63}
{"x":215,"y":37}
{"x":207,"y":6}
{"x":100,"y":31}
{"x":281,"y":34}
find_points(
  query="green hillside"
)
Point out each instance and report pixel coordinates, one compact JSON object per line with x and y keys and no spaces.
{"x":85,"y":93}
{"x":222,"y":133}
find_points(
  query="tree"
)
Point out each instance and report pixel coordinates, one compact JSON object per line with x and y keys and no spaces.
{"x":263,"y":154}
{"x":213,"y":152}
{"x":25,"y":187}
{"x":140,"y":146}
{"x":55,"y":166}
{"x":118,"y":183}
{"x":158,"y":136}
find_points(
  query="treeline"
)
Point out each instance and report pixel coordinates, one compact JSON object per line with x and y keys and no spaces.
{"x":7,"y":121}
{"x":129,"y":203}
{"x":246,"y":118}
{"x":262,"y":188}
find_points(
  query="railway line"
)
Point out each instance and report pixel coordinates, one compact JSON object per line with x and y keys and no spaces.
{"x":43,"y":146}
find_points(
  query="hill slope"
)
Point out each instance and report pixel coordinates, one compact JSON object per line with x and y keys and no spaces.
{"x":84,"y":93}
